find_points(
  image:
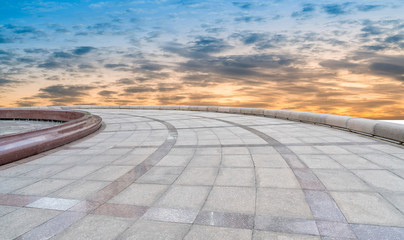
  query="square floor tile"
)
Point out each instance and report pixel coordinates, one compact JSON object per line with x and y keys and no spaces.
{"x":184,"y":197}
{"x":283,"y":203}
{"x":368,"y":208}
{"x":217,"y":233}
{"x":197,"y":176}
{"x":53,"y":203}
{"x":140,"y":194}
{"x":340,"y":180}
{"x":143,"y":229}
{"x":95,"y":227}
{"x":231,"y":199}
{"x":236,"y":177}
{"x":276,"y":177}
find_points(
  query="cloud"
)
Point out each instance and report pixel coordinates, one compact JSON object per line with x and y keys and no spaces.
{"x":106,"y":93}
{"x":83,"y":50}
{"x":5,"y":39}
{"x":338,"y":64}
{"x":369,"y":7}
{"x":249,"y":19}
{"x":50,"y":64}
{"x":337,"y":9}
{"x":125,"y":81}
{"x":113,"y":65}
{"x":243,"y":5}
{"x":64,"y":94}
{"x":4,"y":81}
{"x":202,"y":47}
{"x":62,"y":55}
{"x":306,"y":12}
{"x":139,"y":89}
{"x":388,"y":69}
{"x":395,"y":38}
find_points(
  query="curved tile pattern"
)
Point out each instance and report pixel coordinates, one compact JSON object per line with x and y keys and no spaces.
{"x":152,"y":174}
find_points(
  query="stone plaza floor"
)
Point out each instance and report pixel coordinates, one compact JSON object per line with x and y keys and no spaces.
{"x":153,"y":174}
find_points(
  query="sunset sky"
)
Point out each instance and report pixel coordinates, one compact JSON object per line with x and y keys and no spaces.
{"x":321,"y":56}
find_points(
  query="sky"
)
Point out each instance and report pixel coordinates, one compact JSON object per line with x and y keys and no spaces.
{"x":320,"y":56}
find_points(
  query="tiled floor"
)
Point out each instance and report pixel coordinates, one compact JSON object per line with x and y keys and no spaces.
{"x":153,"y":174}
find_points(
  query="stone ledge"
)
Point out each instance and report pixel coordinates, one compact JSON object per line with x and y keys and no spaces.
{"x":76,"y":125}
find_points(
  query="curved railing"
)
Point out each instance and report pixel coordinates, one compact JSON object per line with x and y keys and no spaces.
{"x":391,"y":131}
{"x":76,"y":124}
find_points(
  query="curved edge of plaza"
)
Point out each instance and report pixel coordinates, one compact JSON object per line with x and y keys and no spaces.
{"x":203,"y":173}
{"x":73,"y":126}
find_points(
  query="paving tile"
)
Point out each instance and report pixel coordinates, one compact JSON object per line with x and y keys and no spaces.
{"x":140,"y":194}
{"x":143,"y":230}
{"x":332,"y":150}
{"x":7,"y":209}
{"x":85,"y":206}
{"x":286,"y":225}
{"x":367,"y":208}
{"x":267,"y":150}
{"x":236,"y":151}
{"x":12,"y":184}
{"x":18,"y":170}
{"x":43,"y":187}
{"x":384,"y":160}
{"x":340,"y":180}
{"x":171,"y":215}
{"x":283,"y":203}
{"x":109,"y":173}
{"x":305,"y":150}
{"x":53,"y":203}
{"x":323,"y":206}
{"x":276,"y":177}
{"x":208,"y":151}
{"x":222,"y":219}
{"x":237,"y":161}
{"x":236,"y":177}
{"x":95,"y":227}
{"x":354,"y":162}
{"x":179,"y":196}
{"x":77,"y":172}
{"x":45,"y":171}
{"x":175,"y":160}
{"x":205,"y":161}
{"x":79,"y":189}
{"x":22,"y":220}
{"x":121,"y":210}
{"x":217,"y":233}
{"x":307,"y":179}
{"x":395,"y":198}
{"x":272,"y":160}
{"x":265,"y":235}
{"x":335,"y":229}
{"x":381,"y":179}
{"x":231,"y":199}
{"x":131,"y":159}
{"x":16,"y":200}
{"x":197,"y":176}
{"x":371,"y":232}
{"x":319,"y":161}
{"x":53,"y":226}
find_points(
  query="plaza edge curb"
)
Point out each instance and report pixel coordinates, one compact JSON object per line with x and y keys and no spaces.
{"x":76,"y":124}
